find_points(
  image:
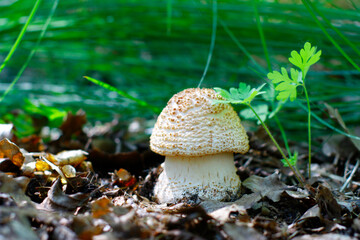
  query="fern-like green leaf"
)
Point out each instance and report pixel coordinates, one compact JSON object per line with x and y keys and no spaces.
{"x":292,"y":160}
{"x":243,"y":95}
{"x":307,"y":57}
{"x":296,"y":60}
{"x":286,"y":85}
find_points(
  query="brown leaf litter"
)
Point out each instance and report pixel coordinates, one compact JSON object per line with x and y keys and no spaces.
{"x":107,"y":193}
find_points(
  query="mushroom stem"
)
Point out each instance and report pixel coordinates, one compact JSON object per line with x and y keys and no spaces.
{"x":204,"y":177}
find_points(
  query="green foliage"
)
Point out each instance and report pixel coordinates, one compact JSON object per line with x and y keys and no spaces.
{"x":286,"y":86}
{"x":292,"y":160}
{"x":33,"y":115}
{"x":54,"y":115}
{"x":262,"y":110}
{"x":21,"y":35}
{"x":242,"y":95}
{"x":123,"y":94}
{"x":24,"y":125}
{"x":307,"y":57}
{"x":161,"y":47}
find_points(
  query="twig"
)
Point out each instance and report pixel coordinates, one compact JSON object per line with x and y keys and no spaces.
{"x":247,"y":163}
{"x":346,"y":168}
{"x":351,"y":176}
{"x":337,"y":178}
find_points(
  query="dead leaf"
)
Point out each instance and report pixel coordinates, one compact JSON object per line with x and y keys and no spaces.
{"x":334,"y":113}
{"x":181,"y":234}
{"x":69,"y":171}
{"x":10,"y":150}
{"x":58,"y":200}
{"x":84,"y":228}
{"x":42,"y":166}
{"x":6,"y":165}
{"x":73,"y":124}
{"x":18,"y":228}
{"x":5,"y":130}
{"x":101,"y":207}
{"x":123,"y":175}
{"x":338,"y":146}
{"x":123,"y":178}
{"x":328,"y":236}
{"x":311,"y":213}
{"x":270,"y":187}
{"x":211,"y":206}
{"x":6,"y":200}
{"x":329,"y":208}
{"x":64,"y":233}
{"x":15,"y":187}
{"x":248,"y":200}
{"x":230,"y":213}
{"x":31,"y":143}
{"x":242,"y":232}
{"x":70,"y":157}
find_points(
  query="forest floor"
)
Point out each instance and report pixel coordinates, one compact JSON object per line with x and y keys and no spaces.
{"x":100,"y":187}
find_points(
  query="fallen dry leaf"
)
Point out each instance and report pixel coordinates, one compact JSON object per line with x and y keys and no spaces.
{"x":73,"y":124}
{"x":70,"y":157}
{"x":101,"y":207}
{"x":15,"y":187}
{"x":10,"y":150}
{"x":328,"y":236}
{"x":230,"y":213}
{"x":329,"y":208}
{"x":57,"y":200}
{"x":5,"y":130}
{"x":123,"y":178}
{"x":270,"y":187}
{"x":242,"y":232}
{"x":69,"y":171}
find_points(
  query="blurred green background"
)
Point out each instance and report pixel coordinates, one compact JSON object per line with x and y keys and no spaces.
{"x":153,"y":49}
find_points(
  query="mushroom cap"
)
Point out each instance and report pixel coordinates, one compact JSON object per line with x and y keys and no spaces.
{"x":192,"y":125}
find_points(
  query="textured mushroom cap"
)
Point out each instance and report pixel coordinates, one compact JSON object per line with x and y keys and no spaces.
{"x":192,"y":125}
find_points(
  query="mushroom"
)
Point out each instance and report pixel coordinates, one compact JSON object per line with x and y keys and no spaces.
{"x":198,"y":139}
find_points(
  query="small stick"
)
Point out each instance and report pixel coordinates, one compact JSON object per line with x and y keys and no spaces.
{"x":351,"y":176}
{"x":346,"y":172}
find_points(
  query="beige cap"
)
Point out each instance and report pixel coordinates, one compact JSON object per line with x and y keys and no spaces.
{"x":193,"y":125}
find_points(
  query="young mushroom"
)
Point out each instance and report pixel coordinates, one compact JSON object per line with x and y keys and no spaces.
{"x":198,"y":139}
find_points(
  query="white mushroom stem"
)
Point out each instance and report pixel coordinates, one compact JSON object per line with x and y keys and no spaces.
{"x":210,"y":177}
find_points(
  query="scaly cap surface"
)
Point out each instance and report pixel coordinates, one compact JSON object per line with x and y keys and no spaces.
{"x":192,"y":125}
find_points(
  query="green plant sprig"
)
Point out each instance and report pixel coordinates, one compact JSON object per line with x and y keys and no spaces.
{"x":287,"y":86}
{"x":124,"y":94}
{"x":244,"y":95}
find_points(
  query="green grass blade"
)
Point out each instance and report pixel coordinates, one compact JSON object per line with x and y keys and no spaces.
{"x":43,"y":30}
{"x":267,"y":57}
{"x":243,"y":49}
{"x":334,"y":28}
{"x":354,"y":5}
{"x":123,"y":94}
{"x":328,"y":125}
{"x":212,"y":44}
{"x":168,"y":16}
{"x":262,"y":36}
{"x":21,"y":35}
{"x":332,"y":40}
